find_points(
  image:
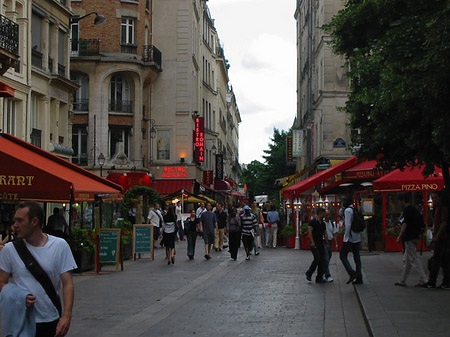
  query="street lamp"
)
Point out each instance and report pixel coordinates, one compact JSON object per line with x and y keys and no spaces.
{"x":101,"y":162}
{"x":288,"y":209}
{"x":99,"y":19}
{"x":297,"y":206}
{"x":152,"y":136}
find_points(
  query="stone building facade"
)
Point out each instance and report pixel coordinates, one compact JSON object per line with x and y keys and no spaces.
{"x":322,"y":87}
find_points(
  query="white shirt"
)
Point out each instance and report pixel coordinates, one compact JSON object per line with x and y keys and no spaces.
{"x":178,"y":212}
{"x":349,"y":235}
{"x":54,"y":257}
{"x":155,"y":217}
{"x":199,"y":212}
{"x":331,"y":230}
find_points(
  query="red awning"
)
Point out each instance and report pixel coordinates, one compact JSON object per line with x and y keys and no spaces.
{"x":363,"y":170}
{"x":6,"y":90}
{"x":130,"y":179}
{"x":222,"y":185}
{"x":409,"y":180}
{"x":238,"y":194}
{"x":168,"y":186}
{"x":30,"y":173}
{"x":316,"y":179}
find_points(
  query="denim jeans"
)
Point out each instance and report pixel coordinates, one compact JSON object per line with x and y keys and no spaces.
{"x":441,"y":258}
{"x":329,"y":253}
{"x":191,"y":238}
{"x":354,"y":248}
{"x":318,"y":262}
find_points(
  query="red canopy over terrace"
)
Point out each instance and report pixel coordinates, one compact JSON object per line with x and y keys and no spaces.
{"x":409,"y":180}
{"x":30,"y":173}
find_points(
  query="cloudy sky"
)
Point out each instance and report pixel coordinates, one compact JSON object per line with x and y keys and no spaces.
{"x":258,"y":37}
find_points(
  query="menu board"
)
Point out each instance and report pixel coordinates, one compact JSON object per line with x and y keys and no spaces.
{"x":142,"y":240}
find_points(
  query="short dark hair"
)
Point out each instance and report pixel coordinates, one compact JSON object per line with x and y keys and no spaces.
{"x":406,"y":197}
{"x":35,"y":210}
{"x":348,"y":200}
{"x":320,"y":210}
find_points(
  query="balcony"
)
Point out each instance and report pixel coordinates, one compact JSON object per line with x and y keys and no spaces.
{"x":9,"y":43}
{"x":35,"y":137}
{"x":36,"y":58}
{"x":80,"y":159}
{"x":152,"y":54}
{"x":84,"y":47}
{"x":121,"y":106}
{"x":81,"y":104}
{"x":128,"y":48}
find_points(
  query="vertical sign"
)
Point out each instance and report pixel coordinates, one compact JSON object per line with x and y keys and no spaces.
{"x":297,"y":143}
{"x":199,"y":140}
{"x":219,"y":166}
{"x":289,"y":157}
{"x":208,"y":177}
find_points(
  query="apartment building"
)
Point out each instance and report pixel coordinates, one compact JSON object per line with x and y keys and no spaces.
{"x":38,"y":106}
{"x":115,"y":63}
{"x":322,"y":88}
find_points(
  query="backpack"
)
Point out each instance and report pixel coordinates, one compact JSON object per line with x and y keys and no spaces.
{"x":358,"y":223}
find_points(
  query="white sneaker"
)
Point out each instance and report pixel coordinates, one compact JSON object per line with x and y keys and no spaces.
{"x":329,"y":279}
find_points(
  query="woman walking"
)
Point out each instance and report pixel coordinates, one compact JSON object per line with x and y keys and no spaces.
{"x":169,"y":234}
{"x":190,"y":227}
{"x":234,"y":233}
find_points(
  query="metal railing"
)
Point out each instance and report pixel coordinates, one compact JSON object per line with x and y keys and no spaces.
{"x":36,"y":58}
{"x":84,"y":47}
{"x":152,"y":54}
{"x":128,"y":48}
{"x":35,"y":137}
{"x":81,"y":104}
{"x":121,"y":106}
{"x":9,"y":35}
{"x":80,"y":159}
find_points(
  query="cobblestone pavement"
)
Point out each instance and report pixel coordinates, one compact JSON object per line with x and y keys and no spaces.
{"x":266,"y":296}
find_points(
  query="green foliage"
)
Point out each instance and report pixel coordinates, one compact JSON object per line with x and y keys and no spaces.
{"x":304,"y":229}
{"x":259,"y":177}
{"x":398,"y":55}
{"x":83,"y":239}
{"x":126,"y":231}
{"x":288,"y":230}
{"x":150,"y":195}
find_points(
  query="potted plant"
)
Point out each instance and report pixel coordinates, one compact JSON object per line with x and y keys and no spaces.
{"x":288,"y":233}
{"x":304,"y":237}
{"x":126,"y":238}
{"x":83,"y":246}
{"x":392,"y":233}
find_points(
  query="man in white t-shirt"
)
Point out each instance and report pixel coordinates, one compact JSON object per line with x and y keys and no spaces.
{"x":155,"y":218}
{"x":54,"y":256}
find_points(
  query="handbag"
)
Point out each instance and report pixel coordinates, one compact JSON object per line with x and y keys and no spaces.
{"x":39,"y":274}
{"x":269,"y":224}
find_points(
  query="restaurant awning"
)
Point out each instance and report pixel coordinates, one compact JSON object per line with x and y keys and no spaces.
{"x":169,"y":186}
{"x":6,"y":90}
{"x":316,"y":179}
{"x":222,"y":185}
{"x":409,"y":180}
{"x":130,"y":179}
{"x":30,"y":173}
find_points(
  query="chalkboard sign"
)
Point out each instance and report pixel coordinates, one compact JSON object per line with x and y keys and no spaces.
{"x":142,"y":240}
{"x":109,"y":246}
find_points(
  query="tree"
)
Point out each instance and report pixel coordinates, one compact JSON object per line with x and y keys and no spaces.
{"x":260,"y":178}
{"x":398,"y":54}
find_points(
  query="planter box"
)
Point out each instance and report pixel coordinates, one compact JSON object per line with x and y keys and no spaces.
{"x":85,"y":260}
{"x":304,"y":243}
{"x":390,"y":245}
{"x":289,"y":241}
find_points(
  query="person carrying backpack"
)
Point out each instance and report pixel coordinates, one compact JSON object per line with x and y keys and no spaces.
{"x":409,"y":235}
{"x":351,"y":243}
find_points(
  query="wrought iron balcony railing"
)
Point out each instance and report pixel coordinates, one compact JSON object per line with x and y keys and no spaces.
{"x":121,"y":106}
{"x":81,"y":104}
{"x":9,"y":35}
{"x":84,"y":47}
{"x":152,"y":54}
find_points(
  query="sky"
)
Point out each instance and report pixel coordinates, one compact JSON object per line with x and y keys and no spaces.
{"x":259,"y":41}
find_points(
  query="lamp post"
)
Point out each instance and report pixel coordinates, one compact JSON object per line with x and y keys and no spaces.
{"x":99,"y":19}
{"x":101,"y":162}
{"x":288,"y":209}
{"x":297,"y":207}
{"x":152,"y":136}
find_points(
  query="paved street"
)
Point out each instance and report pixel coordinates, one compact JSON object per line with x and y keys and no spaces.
{"x":266,"y":296}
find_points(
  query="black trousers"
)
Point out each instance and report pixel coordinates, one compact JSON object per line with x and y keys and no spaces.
{"x":441,"y":258}
{"x":233,"y":244}
{"x":47,"y":329}
{"x":319,"y":261}
{"x":247,"y":240}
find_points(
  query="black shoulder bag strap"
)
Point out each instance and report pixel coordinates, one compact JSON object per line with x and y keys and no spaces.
{"x":39,"y":274}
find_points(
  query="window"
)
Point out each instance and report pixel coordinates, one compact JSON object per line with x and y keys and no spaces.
{"x":120,"y":95}
{"x":119,"y":141}
{"x":127,"y":32}
{"x":36,"y":133}
{"x":61,"y":53}
{"x":81,"y":96}
{"x":9,"y":116}
{"x":36,"y":54}
{"x":79,"y":145}
{"x":75,"y":36}
{"x":163,"y":145}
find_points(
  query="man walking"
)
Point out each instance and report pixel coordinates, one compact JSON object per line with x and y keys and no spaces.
{"x":155,"y":218}
{"x":54,"y":256}
{"x":248,"y":222}
{"x":441,"y":239}
{"x":56,"y":224}
{"x":221,"y":224}
{"x":273,"y":219}
{"x":208,"y":224}
{"x":258,"y":228}
{"x":409,"y":235}
{"x":200,"y":210}
{"x":316,"y":232}
{"x":352,"y":243}
{"x":331,"y":231}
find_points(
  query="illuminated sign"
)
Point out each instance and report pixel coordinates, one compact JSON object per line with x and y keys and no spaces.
{"x":199,"y":140}
{"x":175,"y":172}
{"x":219,"y":166}
{"x":208,"y":177}
{"x":420,"y":187}
{"x":289,"y":157}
